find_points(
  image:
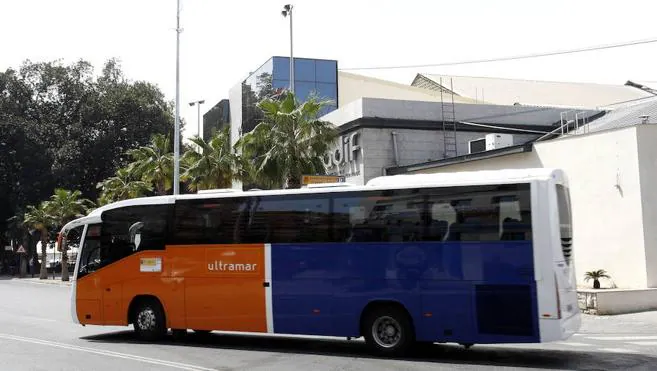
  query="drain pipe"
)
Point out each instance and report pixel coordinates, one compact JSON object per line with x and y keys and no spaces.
{"x":394,"y":148}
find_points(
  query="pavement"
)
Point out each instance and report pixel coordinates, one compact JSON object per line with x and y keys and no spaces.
{"x":36,"y":333}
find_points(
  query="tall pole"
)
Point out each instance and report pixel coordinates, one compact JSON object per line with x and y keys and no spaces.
{"x":176,"y":134}
{"x":291,"y":55}
{"x":287,"y":10}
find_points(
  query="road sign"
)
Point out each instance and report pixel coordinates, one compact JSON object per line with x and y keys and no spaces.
{"x":21,"y":250}
{"x":317,"y":179}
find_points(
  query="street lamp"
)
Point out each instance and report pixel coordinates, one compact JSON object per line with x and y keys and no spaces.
{"x":198,"y":103}
{"x":287,"y":10}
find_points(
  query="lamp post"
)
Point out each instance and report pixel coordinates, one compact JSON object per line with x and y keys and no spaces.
{"x":287,"y":10}
{"x":198,"y":104}
{"x":176,"y":134}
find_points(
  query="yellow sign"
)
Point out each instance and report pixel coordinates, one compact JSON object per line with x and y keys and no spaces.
{"x":317,"y":179}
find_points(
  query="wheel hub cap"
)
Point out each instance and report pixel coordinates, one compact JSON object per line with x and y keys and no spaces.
{"x":146,"y":319}
{"x":386,"y":332}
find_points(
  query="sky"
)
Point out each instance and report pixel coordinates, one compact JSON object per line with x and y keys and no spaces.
{"x":222,"y":41}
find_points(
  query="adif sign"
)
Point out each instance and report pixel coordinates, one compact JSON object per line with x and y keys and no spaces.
{"x":343,"y":159}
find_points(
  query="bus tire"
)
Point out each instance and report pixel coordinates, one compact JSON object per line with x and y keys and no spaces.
{"x":149,"y":320}
{"x":388,"y":330}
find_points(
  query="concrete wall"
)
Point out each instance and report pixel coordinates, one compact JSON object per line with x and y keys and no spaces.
{"x":646,"y":135}
{"x":413,"y":146}
{"x":603,"y":169}
{"x":605,"y":302}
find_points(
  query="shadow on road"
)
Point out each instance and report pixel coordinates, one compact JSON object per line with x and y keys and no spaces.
{"x":437,"y":353}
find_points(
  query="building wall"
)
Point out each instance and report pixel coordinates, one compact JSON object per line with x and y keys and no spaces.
{"x":646,"y":135}
{"x":354,"y":87}
{"x":603,"y":170}
{"x":413,"y":146}
{"x":235,"y":101}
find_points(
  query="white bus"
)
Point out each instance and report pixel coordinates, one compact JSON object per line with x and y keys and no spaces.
{"x":470,"y":258}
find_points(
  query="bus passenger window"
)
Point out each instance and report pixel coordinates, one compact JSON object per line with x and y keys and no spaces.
{"x":127,"y":230}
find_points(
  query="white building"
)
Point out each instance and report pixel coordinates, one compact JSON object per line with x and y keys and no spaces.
{"x":535,"y":93}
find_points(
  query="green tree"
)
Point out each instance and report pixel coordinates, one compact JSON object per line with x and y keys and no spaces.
{"x":596,"y":275}
{"x":64,"y":206}
{"x":80,"y":125}
{"x":122,"y":186}
{"x":212,"y":164}
{"x":153,"y":163}
{"x":40,"y":219}
{"x":289,"y":142}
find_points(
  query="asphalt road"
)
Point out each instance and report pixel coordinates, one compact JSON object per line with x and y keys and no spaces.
{"x":36,"y":333}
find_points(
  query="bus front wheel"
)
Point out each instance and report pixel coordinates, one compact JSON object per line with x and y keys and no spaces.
{"x":149,"y":320}
{"x":388,"y":330}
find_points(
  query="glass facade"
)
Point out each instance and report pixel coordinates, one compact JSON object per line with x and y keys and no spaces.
{"x":311,"y":77}
{"x":216,"y":119}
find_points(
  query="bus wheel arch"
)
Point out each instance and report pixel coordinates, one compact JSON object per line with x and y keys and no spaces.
{"x":147,"y":315}
{"x":387,"y":327}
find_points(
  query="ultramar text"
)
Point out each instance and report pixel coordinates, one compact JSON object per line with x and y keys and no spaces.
{"x":219,"y":266}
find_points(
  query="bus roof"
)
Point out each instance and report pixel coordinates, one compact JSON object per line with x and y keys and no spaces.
{"x":395,"y":181}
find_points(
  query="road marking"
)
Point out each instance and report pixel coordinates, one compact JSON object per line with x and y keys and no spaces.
{"x":622,"y":338}
{"x":618,"y":350}
{"x":180,"y":366}
{"x":649,"y":343}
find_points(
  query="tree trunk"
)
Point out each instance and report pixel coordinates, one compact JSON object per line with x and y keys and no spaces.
{"x":596,"y":284}
{"x":44,"y":258}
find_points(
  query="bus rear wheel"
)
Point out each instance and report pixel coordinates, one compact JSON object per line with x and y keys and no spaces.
{"x":388,"y":330}
{"x":149,"y":321}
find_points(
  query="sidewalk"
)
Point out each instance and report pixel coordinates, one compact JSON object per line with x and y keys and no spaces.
{"x":48,"y":281}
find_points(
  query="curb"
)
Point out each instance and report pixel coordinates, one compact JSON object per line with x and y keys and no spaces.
{"x":37,"y":281}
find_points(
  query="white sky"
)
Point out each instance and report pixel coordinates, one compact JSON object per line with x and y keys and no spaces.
{"x":224,"y":40}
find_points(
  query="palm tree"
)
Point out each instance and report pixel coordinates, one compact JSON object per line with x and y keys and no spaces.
{"x":64,"y":206}
{"x":595,"y":276}
{"x":122,"y":186}
{"x":289,"y":142}
{"x":211,"y":164}
{"x":40,"y":219}
{"x":154,"y":163}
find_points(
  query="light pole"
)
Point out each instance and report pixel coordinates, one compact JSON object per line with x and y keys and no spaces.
{"x":176,"y":134}
{"x":198,"y":104}
{"x":287,"y":10}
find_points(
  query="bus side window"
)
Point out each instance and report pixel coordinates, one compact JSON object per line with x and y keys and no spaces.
{"x":126,"y":230}
{"x":443,"y":216}
{"x":208,"y":221}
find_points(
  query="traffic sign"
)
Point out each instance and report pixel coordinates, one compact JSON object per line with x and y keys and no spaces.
{"x":21,"y":250}
{"x":317,"y":179}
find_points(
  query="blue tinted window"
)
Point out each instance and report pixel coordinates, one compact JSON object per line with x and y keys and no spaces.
{"x":304,"y":89}
{"x":281,"y":84}
{"x":328,"y":91}
{"x":326,"y":71}
{"x":304,"y":70}
{"x":281,"y":68}
{"x":326,"y":110}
